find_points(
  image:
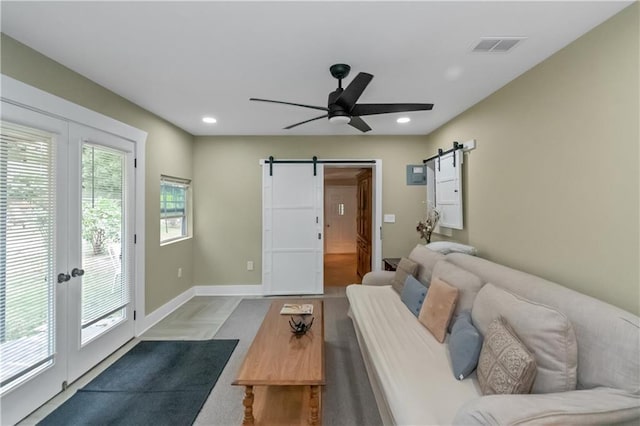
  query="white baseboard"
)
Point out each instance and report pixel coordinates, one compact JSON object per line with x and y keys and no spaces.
{"x":156,"y":316}
{"x":228,"y":290}
{"x":148,"y":321}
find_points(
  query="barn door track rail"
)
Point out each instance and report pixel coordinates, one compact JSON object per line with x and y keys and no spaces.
{"x":456,"y":146}
{"x":314,"y":160}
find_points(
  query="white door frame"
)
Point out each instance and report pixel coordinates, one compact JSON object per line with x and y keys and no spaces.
{"x":376,"y":169}
{"x":22,"y":95}
{"x":376,"y":223}
{"x":29,"y":97}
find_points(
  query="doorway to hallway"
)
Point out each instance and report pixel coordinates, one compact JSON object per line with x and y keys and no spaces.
{"x":340,"y":269}
{"x":341,"y":212}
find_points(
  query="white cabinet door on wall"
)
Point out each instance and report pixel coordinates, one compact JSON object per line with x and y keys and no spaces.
{"x":447,"y":181}
{"x":292,"y":202}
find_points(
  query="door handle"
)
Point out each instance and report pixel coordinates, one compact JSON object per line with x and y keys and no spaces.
{"x":76,"y":272}
{"x":62,"y":277}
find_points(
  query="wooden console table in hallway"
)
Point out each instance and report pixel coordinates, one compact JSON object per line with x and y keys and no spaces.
{"x":283,"y":374}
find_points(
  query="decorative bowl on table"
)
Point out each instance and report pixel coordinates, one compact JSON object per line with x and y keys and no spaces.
{"x":300,"y":324}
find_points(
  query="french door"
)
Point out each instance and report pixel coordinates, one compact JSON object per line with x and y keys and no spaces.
{"x":66,"y":254}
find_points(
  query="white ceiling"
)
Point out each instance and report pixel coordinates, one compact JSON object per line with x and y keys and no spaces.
{"x":185,"y":60}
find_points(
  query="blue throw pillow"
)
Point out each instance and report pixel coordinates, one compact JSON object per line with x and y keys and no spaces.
{"x":465,"y":344}
{"x":413,"y":294}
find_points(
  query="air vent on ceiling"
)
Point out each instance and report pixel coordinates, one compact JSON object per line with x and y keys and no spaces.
{"x":497,"y":44}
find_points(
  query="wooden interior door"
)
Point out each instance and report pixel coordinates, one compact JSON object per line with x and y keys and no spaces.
{"x":363,"y":220}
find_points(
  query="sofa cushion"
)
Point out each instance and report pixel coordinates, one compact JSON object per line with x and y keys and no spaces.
{"x":597,"y":325}
{"x":547,"y":333}
{"x":505,"y":366}
{"x":413,"y":294}
{"x":469,"y":284}
{"x":465,"y":343}
{"x":404,"y":360}
{"x":438,"y":308}
{"x":378,"y":278}
{"x":426,"y":259}
{"x":405,"y":268}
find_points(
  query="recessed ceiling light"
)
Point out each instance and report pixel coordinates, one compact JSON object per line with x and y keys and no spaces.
{"x":209,"y":120}
{"x":403,"y":120}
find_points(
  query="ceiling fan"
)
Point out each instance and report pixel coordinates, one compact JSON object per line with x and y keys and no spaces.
{"x":342,"y":107}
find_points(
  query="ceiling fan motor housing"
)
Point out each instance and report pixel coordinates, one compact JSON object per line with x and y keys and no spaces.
{"x":336,"y":110}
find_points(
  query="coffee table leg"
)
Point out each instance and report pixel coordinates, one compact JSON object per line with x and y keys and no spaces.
{"x":314,"y":403}
{"x":247,"y":401}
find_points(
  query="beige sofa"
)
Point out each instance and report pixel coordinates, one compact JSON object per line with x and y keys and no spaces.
{"x":410,"y":372}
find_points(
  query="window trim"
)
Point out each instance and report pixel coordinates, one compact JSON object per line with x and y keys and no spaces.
{"x":187,"y":217}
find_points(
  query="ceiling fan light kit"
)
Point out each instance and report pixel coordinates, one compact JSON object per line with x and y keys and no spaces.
{"x":342,"y":106}
{"x":339,"y":119}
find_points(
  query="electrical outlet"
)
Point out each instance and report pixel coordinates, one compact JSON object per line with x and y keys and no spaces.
{"x":179,"y":272}
{"x":250,"y":265}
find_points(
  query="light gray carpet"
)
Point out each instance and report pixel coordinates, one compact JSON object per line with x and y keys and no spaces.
{"x":347,"y":399}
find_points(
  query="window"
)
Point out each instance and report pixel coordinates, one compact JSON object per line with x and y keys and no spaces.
{"x":174,"y":208}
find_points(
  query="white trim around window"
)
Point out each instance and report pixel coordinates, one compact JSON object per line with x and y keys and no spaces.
{"x":175,"y":209}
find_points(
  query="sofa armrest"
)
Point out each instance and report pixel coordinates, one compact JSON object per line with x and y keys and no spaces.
{"x":583,"y":407}
{"x":378,"y":278}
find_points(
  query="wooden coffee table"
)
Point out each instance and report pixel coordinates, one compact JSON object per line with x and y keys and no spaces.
{"x":282,"y":373}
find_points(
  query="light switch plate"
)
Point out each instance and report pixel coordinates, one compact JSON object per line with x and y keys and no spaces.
{"x":389,"y":218}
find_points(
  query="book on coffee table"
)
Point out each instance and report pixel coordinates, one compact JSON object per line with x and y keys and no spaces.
{"x":296,"y":309}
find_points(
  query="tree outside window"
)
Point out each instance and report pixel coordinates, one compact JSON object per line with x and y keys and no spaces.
{"x":174,"y":197}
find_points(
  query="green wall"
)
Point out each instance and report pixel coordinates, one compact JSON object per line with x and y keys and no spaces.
{"x":228,"y":193}
{"x":168,"y":151}
{"x":553,"y":186}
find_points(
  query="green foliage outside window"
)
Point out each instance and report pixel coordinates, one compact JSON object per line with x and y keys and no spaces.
{"x":101,"y":223}
{"x":102,"y":195}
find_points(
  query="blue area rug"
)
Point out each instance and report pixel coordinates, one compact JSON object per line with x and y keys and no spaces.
{"x":155,"y":383}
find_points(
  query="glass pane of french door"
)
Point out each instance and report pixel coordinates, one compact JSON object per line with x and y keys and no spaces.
{"x":105,"y":289}
{"x":27,"y":252}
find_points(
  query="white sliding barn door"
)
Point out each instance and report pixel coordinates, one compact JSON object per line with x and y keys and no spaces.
{"x":292,"y":246}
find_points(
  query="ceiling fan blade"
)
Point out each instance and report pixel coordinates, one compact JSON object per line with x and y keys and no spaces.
{"x":352,"y":93}
{"x":306,"y":121}
{"x":359,"y":124}
{"x":372,"y":109}
{"x":290,"y":103}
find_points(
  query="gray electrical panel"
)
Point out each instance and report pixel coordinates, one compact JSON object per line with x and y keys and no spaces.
{"x":416,"y":174}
